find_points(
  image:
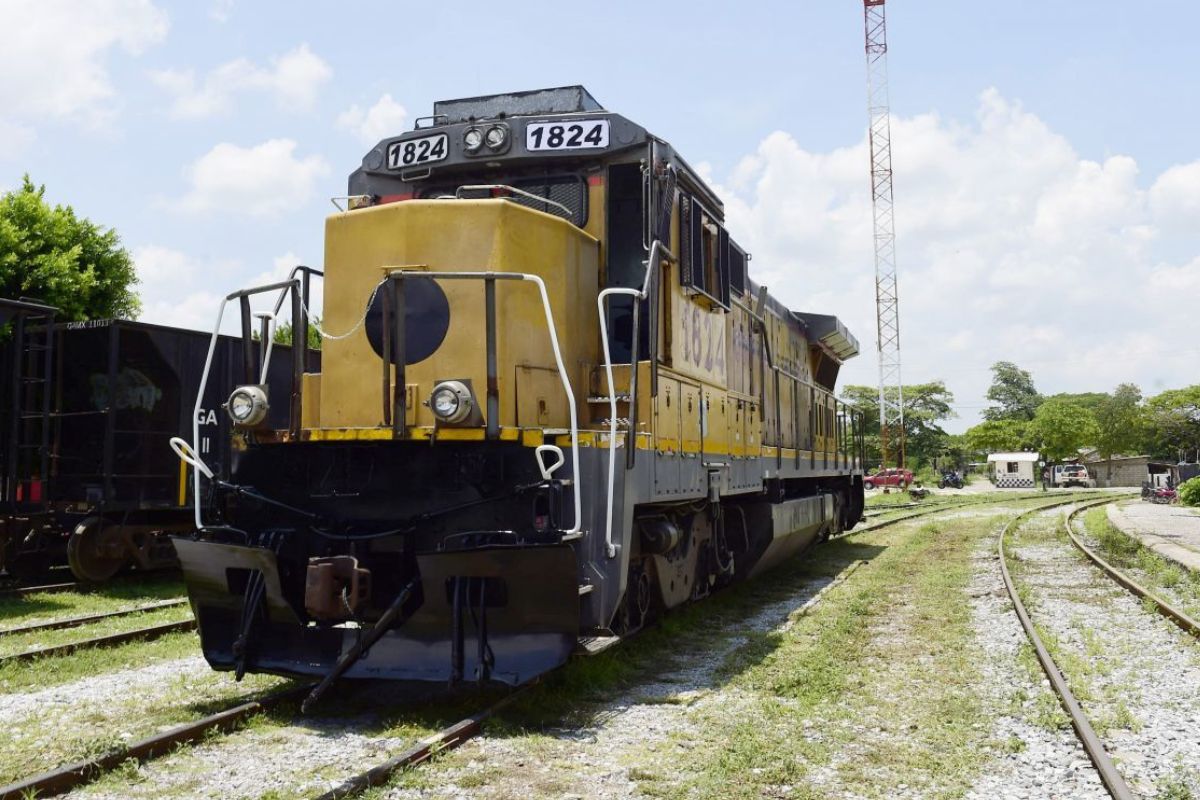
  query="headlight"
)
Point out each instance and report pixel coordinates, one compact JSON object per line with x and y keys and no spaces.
{"x":472,"y":139}
{"x":451,"y":401}
{"x":247,"y":406}
{"x":496,"y":136}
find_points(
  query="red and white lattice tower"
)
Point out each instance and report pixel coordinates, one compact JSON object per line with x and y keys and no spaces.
{"x":887,"y":298}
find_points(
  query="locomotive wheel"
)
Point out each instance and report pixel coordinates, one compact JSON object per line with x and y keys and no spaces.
{"x":95,"y":551}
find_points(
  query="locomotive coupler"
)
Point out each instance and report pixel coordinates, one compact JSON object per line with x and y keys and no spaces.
{"x":335,"y":588}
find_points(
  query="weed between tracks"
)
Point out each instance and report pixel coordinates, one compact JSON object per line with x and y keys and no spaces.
{"x":21,"y":642}
{"x":120,"y":594}
{"x":1172,"y":581}
{"x":66,"y":726}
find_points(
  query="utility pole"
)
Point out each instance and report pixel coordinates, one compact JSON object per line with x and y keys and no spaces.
{"x":887,"y":298}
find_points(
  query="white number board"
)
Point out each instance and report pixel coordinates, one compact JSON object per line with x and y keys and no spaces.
{"x":422,"y":150}
{"x":574,"y":135}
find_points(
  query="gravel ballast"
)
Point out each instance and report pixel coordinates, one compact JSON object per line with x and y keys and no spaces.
{"x":1136,"y":675}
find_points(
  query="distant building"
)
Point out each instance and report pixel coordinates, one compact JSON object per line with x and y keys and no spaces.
{"x":1014,"y":470}
{"x":1133,"y":470}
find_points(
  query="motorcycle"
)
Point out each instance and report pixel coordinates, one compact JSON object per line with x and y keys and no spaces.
{"x":950,"y":479}
{"x":1163,"y":496}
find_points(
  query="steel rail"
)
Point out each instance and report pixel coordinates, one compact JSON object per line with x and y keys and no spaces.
{"x":21,"y":591}
{"x":445,"y":739}
{"x":1116,"y":785}
{"x":75,"y":622}
{"x":944,"y":508}
{"x":140,"y":634}
{"x":68,"y":777}
{"x":1180,"y":618}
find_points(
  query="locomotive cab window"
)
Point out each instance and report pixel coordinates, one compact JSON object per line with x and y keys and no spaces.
{"x":704,"y":252}
{"x":626,"y":266}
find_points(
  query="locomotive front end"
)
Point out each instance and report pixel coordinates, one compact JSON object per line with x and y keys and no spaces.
{"x":430,"y":483}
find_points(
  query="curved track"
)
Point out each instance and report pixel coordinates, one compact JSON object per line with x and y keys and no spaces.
{"x":1113,"y":781}
{"x":1162,"y":606}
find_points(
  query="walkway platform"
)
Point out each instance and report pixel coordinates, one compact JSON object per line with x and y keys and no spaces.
{"x":1171,"y":531}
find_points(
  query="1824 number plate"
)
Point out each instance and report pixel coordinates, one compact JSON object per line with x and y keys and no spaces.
{"x":575,"y":135}
{"x":422,"y":150}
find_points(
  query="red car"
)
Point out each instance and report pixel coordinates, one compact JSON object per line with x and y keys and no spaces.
{"x":889,"y":477}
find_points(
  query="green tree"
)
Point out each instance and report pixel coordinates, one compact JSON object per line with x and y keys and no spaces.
{"x":62,"y":259}
{"x":1013,"y":390}
{"x":997,"y":436}
{"x":1092,"y":401}
{"x":1172,"y":428}
{"x":1119,"y":423}
{"x":1060,"y":427}
{"x":926,"y":405}
{"x":283,"y":334}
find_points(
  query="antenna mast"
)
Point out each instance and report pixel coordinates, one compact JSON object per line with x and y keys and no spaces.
{"x":887,"y":299}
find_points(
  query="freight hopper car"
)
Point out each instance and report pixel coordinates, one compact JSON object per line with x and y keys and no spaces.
{"x":552,"y":406}
{"x":86,"y":413}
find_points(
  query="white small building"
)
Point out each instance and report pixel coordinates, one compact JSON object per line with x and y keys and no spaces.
{"x":1014,"y":470}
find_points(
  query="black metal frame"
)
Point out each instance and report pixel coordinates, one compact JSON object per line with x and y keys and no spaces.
{"x":24,"y":310}
{"x":298,"y":289}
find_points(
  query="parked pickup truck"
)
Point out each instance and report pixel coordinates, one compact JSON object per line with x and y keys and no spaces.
{"x":1071,"y":475}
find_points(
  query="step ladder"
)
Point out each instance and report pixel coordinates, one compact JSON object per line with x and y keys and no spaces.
{"x":27,"y":461}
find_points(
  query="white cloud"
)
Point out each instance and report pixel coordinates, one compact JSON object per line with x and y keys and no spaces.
{"x":220,"y":10}
{"x":185,"y":291}
{"x":178,"y":290}
{"x":1010,"y":246}
{"x":385,"y":118}
{"x":293,"y":80}
{"x":263,"y":180}
{"x":54,"y":58}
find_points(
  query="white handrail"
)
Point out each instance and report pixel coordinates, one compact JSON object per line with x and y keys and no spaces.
{"x":637,"y":294}
{"x":566,"y":382}
{"x":195,"y":447}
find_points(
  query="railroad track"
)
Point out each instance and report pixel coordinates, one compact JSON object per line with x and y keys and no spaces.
{"x":1180,"y":618}
{"x":108,"y":640}
{"x":71,"y":776}
{"x":22,"y":591}
{"x":927,"y":511}
{"x":75,"y":622}
{"x":1113,"y":781}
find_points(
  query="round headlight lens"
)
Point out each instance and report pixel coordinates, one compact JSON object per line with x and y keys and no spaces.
{"x":247,"y":406}
{"x":240,"y":406}
{"x":472,"y":139}
{"x":451,"y":402}
{"x":445,"y":403}
{"x":496,"y":136}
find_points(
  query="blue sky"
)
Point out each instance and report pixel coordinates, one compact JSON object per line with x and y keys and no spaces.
{"x":1047,"y":177}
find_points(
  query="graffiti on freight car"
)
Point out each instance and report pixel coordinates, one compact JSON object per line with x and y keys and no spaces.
{"x":133,"y":390}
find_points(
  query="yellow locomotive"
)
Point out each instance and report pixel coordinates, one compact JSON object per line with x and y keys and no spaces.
{"x":551,"y":405}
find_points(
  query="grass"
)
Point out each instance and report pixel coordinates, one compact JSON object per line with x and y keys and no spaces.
{"x":885,"y":675}
{"x":58,"y":734}
{"x":1088,"y":663}
{"x":17,"y":643}
{"x":117,"y":595}
{"x":1158,"y":574}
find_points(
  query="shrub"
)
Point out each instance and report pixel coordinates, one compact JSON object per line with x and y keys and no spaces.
{"x":1189,"y":492}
